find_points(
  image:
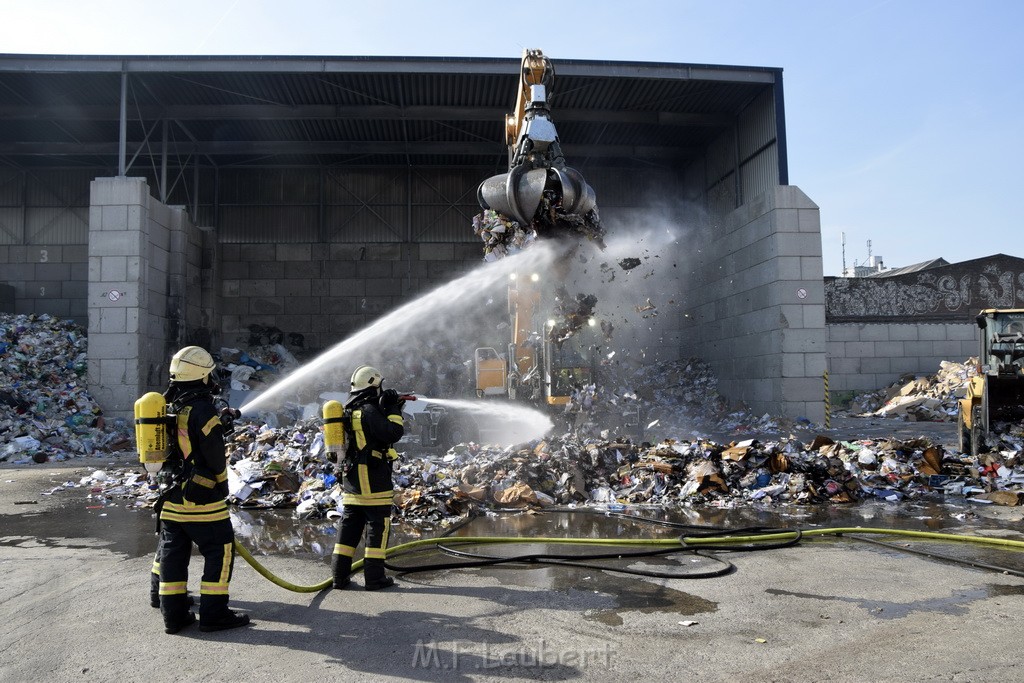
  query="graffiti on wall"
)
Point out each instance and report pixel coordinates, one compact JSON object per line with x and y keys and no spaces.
{"x":952,"y":292}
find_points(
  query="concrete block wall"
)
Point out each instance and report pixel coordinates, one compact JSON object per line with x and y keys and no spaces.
{"x":326,"y":291}
{"x":6,"y":299}
{"x":47,"y":279}
{"x":868,"y":356}
{"x":755,"y":303}
{"x":139,"y":280}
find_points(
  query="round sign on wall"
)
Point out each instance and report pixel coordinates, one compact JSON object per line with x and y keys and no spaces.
{"x":801,"y":293}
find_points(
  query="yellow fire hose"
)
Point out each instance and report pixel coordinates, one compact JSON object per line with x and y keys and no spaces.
{"x":690,"y":542}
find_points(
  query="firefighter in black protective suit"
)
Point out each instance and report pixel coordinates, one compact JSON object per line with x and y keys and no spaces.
{"x":374,"y":424}
{"x":194,"y":510}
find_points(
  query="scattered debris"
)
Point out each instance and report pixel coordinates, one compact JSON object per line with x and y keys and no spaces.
{"x":571,"y":313}
{"x":286,"y":468}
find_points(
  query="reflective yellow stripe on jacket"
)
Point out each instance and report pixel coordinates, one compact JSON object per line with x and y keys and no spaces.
{"x":183,"y":441}
{"x":381,"y":498}
{"x":357,"y":429}
{"x":190,"y":512}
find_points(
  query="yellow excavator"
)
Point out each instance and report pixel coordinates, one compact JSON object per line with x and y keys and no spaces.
{"x":996,"y":392}
{"x":541,"y":366}
{"x":536,"y":367}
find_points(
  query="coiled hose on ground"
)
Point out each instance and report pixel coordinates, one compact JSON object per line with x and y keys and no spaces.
{"x":702,"y":541}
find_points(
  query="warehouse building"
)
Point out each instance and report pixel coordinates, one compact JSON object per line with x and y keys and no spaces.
{"x":172,"y":200}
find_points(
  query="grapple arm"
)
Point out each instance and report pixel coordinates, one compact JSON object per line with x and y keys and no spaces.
{"x":536,"y":163}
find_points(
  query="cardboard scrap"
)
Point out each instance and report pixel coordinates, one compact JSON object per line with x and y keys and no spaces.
{"x":1007,"y":498}
{"x":517,"y":494}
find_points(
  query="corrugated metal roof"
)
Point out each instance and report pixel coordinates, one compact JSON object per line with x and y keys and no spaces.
{"x":63,"y":111}
{"x":913,"y":268}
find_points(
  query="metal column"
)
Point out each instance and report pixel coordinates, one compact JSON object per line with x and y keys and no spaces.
{"x":122,"y":141}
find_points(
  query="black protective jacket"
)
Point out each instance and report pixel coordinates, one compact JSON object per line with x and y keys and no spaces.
{"x":199,"y":495}
{"x":370,"y":435}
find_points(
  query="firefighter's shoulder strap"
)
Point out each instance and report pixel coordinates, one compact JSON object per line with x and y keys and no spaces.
{"x":177,"y":466}
{"x":354,"y":434}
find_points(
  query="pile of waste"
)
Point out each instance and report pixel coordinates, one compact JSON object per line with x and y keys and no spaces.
{"x":257,"y":366}
{"x":1005,"y":436}
{"x":919,"y":399}
{"x":46,"y":412}
{"x":286,"y":468}
{"x":679,"y":398}
{"x":672,"y":474}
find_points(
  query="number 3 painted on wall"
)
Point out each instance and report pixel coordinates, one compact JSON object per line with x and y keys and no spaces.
{"x":44,"y":256}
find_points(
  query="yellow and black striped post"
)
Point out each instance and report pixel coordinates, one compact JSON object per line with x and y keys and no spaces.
{"x":828,"y":404}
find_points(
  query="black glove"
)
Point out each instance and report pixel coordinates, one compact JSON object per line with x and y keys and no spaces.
{"x":228,"y":415}
{"x":389,"y":399}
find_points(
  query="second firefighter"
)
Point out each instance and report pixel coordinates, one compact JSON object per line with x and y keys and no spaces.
{"x":374,"y":423}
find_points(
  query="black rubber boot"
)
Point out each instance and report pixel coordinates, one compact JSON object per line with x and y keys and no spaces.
{"x":341,"y":567}
{"x":175,"y":612}
{"x":224,"y":621}
{"x":381,"y":584}
{"x":373,"y":575}
{"x":175,"y":626}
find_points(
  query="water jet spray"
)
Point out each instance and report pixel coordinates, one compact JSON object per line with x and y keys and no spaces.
{"x":443,"y":303}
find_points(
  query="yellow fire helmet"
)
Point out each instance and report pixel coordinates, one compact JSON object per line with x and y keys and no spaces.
{"x":190,"y":364}
{"x":364,"y":377}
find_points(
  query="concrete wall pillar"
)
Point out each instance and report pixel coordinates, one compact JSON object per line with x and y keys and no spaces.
{"x":756,"y":304}
{"x":118,"y":295}
{"x":145,"y":288}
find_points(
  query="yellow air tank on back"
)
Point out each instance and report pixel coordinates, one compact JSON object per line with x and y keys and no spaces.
{"x":334,"y":427}
{"x":151,"y":431}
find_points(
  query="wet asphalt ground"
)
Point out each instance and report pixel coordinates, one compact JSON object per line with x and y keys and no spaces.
{"x":75,"y":580}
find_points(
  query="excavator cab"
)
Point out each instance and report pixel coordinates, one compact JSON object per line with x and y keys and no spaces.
{"x":489,"y":369}
{"x":996,"y":392}
{"x":567,"y":367}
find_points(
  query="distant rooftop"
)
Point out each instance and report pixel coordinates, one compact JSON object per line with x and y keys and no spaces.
{"x":913,"y":268}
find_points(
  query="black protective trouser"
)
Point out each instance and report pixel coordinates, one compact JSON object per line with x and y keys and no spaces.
{"x":376,"y":519}
{"x":215,"y":542}
{"x":154,"y":575}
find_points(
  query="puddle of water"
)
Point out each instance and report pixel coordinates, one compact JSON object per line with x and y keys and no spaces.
{"x":603,"y":595}
{"x":956,"y":603}
{"x":127,"y":531}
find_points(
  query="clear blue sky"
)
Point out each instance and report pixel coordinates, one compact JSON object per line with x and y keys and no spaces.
{"x":904,"y":116}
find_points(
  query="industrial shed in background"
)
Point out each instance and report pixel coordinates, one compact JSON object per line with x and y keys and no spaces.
{"x":171,"y":200}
